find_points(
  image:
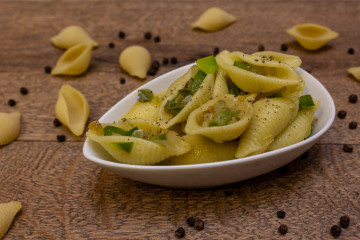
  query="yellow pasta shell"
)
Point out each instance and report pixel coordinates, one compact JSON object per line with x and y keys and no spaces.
{"x":267,"y":75}
{"x":9,"y":127}
{"x":135,"y":60}
{"x":312,"y":36}
{"x":7,"y":214}
{"x":72,"y":109}
{"x":71,"y":36}
{"x":74,"y":61}
{"x":228,"y":132}
{"x":291,"y":60}
{"x":355,"y":71}
{"x":220,"y":86}
{"x":214,"y":19}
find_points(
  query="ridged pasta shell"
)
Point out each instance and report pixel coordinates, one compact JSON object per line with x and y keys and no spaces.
{"x":355,"y":71}
{"x":74,"y":61}
{"x":202,"y":95}
{"x":72,"y":109}
{"x":312,"y":36}
{"x":7,"y":214}
{"x":214,"y":19}
{"x":220,"y":85}
{"x":203,"y":150}
{"x":266,"y":76}
{"x":9,"y":127}
{"x":292,"y":60}
{"x":71,"y":36}
{"x":227,"y":132}
{"x":135,"y":60}
{"x":144,"y":152}
{"x":298,"y":130}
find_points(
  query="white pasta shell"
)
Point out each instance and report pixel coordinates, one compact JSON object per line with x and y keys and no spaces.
{"x":71,"y":36}
{"x":9,"y":127}
{"x":312,"y":36}
{"x":291,"y":60}
{"x":214,"y":19}
{"x":72,"y":109}
{"x":355,"y":71}
{"x":135,"y":60}
{"x":74,"y":61}
{"x":7,"y":214}
{"x":220,"y":85}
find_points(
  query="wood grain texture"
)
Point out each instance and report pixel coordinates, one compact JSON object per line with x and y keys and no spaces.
{"x":65,"y":196}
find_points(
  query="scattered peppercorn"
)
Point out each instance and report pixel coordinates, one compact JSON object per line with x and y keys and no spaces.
{"x":348,"y":148}
{"x":191,"y":221}
{"x":121,"y":34}
{"x":152,"y":71}
{"x":199,"y":224}
{"x":147,"y":35}
{"x":47,"y":69}
{"x":165,"y":61}
{"x":122,"y":80}
{"x":353,"y":98}
{"x":335,"y":231}
{"x":180,"y":232}
{"x":61,"y":138}
{"x":57,"y":123}
{"x":157,"y":39}
{"x":283,"y":229}
{"x":280,"y":214}
{"x":155,"y":64}
{"x":351,"y":51}
{"x":24,"y":91}
{"x":284,"y":47}
{"x":342,"y":114}
{"x":111,"y":45}
{"x":344,"y":221}
{"x":11,"y":102}
{"x":215,"y":51}
{"x":173,"y":60}
{"x":353,"y":125}
{"x":261,"y":47}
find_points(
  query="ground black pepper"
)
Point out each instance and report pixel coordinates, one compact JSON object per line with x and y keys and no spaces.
{"x":344,"y":221}
{"x":216,"y":51}
{"x":173,"y":60}
{"x":280,"y":214}
{"x":199,"y":224}
{"x":335,"y":231}
{"x":147,"y":35}
{"x":121,"y":34}
{"x":24,"y":91}
{"x":353,"y":125}
{"x":342,"y":114}
{"x":11,"y":102}
{"x":353,"y":98}
{"x":165,"y":61}
{"x":180,"y":232}
{"x":191,"y":221}
{"x":348,"y":148}
{"x":122,"y":80}
{"x":61,"y":138}
{"x":47,"y":69}
{"x":351,"y":51}
{"x":111,"y":45}
{"x":157,"y":39}
{"x":283,"y":229}
{"x":57,"y":123}
{"x":284,"y":47}
{"x":261,"y":47}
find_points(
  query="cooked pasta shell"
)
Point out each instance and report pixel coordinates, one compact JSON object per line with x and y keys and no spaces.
{"x":7,"y":214}
{"x":291,"y":60}
{"x":72,"y":109}
{"x":71,"y":36}
{"x":264,"y":76}
{"x":203,"y":150}
{"x":74,"y":61}
{"x":202,"y":95}
{"x":199,"y":120}
{"x":214,"y":19}
{"x":9,"y":127}
{"x":135,"y":60}
{"x":143,"y":151}
{"x":271,"y":116}
{"x":220,"y":86}
{"x":312,"y":36}
{"x":355,"y":71}
{"x":298,"y":130}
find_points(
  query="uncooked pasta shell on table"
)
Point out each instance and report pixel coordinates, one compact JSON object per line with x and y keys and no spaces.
{"x":9,"y":127}
{"x":291,"y":60}
{"x":74,"y":61}
{"x":72,"y":109}
{"x":214,"y":19}
{"x":312,"y":36}
{"x":71,"y":36}
{"x":136,"y":61}
{"x":355,"y":71}
{"x":7,"y":214}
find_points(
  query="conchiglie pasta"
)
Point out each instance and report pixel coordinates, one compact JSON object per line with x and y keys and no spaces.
{"x":71,"y":36}
{"x":312,"y":36}
{"x":9,"y":127}
{"x":355,"y":71}
{"x":220,"y":85}
{"x":136,"y":61}
{"x":74,"y":61}
{"x":291,"y":60}
{"x":7,"y":214}
{"x":72,"y":109}
{"x":214,"y":19}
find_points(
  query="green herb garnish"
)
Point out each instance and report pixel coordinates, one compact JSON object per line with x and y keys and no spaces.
{"x":110,"y":130}
{"x":126,"y":146}
{"x":243,"y":65}
{"x":235,"y":90}
{"x":224,"y":118}
{"x":197,"y":81}
{"x":145,"y":95}
{"x":306,"y":101}
{"x":158,"y":137}
{"x":207,"y":64}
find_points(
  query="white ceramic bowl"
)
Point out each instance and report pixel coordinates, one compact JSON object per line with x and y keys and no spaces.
{"x":217,"y":173}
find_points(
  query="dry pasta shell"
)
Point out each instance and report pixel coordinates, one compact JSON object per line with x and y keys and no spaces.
{"x":312,"y":36}
{"x":9,"y":127}
{"x":214,"y":19}
{"x":135,"y":60}
{"x":265,"y":75}
{"x":7,"y":214}
{"x":71,"y":36}
{"x":72,"y":109}
{"x":220,"y":85}
{"x":291,"y":60}
{"x":74,"y":61}
{"x":355,"y":71}
{"x":199,"y":119}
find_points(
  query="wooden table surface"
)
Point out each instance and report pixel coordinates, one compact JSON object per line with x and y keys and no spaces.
{"x":65,"y":196}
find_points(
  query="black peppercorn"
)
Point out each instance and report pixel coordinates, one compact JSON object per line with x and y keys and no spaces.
{"x":284,"y":47}
{"x":157,"y":39}
{"x":180,"y":232}
{"x":199,"y":224}
{"x":61,"y":138}
{"x":261,"y":47}
{"x":353,"y":98}
{"x":147,"y":35}
{"x":24,"y":91}
{"x":121,"y":34}
{"x":283,"y":229}
{"x":280,"y":214}
{"x":47,"y":69}
{"x":335,"y":231}
{"x":111,"y":45}
{"x":155,"y":64}
{"x":122,"y":80}
{"x":215,"y":51}
{"x":344,"y":221}
{"x":57,"y":123}
{"x":173,"y":60}
{"x":341,"y":114}
{"x":191,"y":221}
{"x":351,"y":51}
{"x":353,"y":125}
{"x":165,"y":61}
{"x":11,"y":102}
{"x":152,"y":71}
{"x":348,"y":148}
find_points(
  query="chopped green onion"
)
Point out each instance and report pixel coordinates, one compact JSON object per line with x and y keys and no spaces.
{"x":110,"y":130}
{"x":235,"y":90}
{"x":131,"y":131}
{"x":306,"y":101}
{"x":126,"y":146}
{"x":138,"y":133}
{"x":224,"y":118}
{"x":243,"y":65}
{"x":145,"y":95}
{"x":207,"y":64}
{"x":197,"y":81}
{"x":158,"y":137}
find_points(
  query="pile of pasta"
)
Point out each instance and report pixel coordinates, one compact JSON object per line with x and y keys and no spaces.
{"x":230,"y":106}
